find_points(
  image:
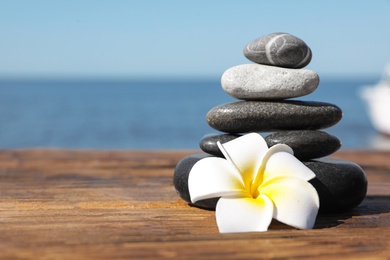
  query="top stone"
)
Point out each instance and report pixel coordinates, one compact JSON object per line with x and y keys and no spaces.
{"x":279,"y":49}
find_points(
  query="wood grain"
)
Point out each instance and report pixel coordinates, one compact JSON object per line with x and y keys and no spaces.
{"x":62,"y":204}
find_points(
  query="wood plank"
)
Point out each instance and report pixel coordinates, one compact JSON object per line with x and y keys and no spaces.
{"x":65,"y":204}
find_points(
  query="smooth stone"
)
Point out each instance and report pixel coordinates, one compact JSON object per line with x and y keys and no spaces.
{"x":208,"y":143}
{"x":341,"y":185}
{"x":260,"y":82}
{"x":306,"y":144}
{"x":258,"y":116}
{"x":180,"y":180}
{"x":279,"y":49}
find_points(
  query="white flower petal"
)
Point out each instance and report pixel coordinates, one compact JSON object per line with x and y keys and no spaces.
{"x":296,"y":201}
{"x":214,"y":177}
{"x":244,"y":214}
{"x":246,"y":153}
{"x":279,"y":161}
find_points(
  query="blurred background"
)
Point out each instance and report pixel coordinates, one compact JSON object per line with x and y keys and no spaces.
{"x":144,"y":74}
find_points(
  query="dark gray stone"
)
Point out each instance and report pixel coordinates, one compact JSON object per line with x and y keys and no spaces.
{"x":209,"y":145}
{"x":341,"y":185}
{"x":306,"y":144}
{"x":259,"y":116}
{"x":279,"y":49}
{"x":180,"y":180}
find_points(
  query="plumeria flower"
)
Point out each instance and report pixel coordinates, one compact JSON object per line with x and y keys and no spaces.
{"x":255,"y":184}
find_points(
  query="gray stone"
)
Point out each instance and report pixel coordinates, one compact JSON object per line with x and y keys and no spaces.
{"x":306,"y":144}
{"x":279,"y":49}
{"x":180,"y":180}
{"x":341,"y":185}
{"x":260,"y":82}
{"x":258,"y":116}
{"x":209,"y":145}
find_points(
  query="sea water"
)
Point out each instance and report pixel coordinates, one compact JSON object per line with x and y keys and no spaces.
{"x":145,"y":114}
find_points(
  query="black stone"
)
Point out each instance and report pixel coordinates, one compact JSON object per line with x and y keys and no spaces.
{"x":306,"y":144}
{"x":341,"y":185}
{"x":279,"y":49}
{"x":208,"y":143}
{"x":180,"y":180}
{"x":262,"y":116}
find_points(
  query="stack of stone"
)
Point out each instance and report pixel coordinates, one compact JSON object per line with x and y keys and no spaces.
{"x":265,"y":89}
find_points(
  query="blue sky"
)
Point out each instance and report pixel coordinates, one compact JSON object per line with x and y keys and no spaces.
{"x":184,"y":39}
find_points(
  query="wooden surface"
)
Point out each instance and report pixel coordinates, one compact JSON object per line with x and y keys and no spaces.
{"x":59,"y":204}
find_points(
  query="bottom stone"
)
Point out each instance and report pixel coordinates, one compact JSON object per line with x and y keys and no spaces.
{"x":341,"y":185}
{"x":180,"y":180}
